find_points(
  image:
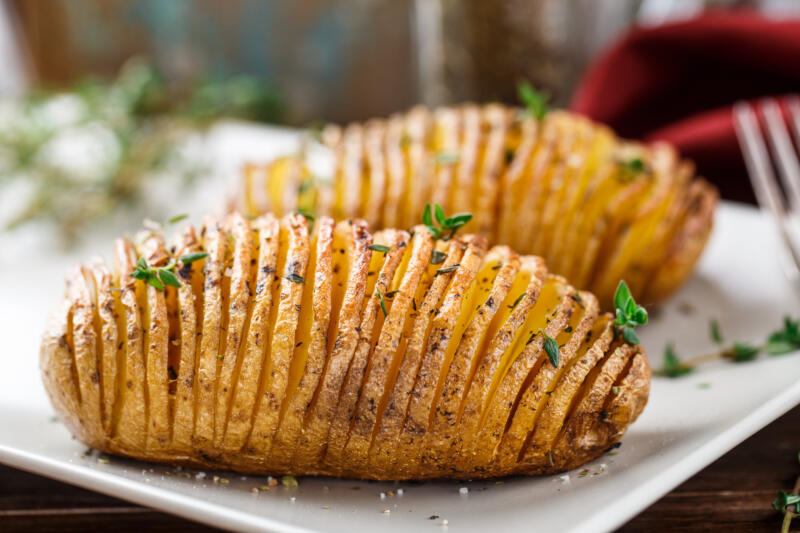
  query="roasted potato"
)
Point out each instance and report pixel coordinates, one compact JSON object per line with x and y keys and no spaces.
{"x":271,"y":347}
{"x":597,"y":208}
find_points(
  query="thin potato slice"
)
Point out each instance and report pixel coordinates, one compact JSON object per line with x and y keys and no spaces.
{"x":434,"y":360}
{"x":239,"y":297}
{"x":131,"y":421}
{"x":543,"y":383}
{"x":343,"y":336}
{"x":188,"y":304}
{"x":385,"y":357}
{"x":259,"y":334}
{"x":314,"y":345}
{"x":156,"y":330}
{"x":106,"y":327}
{"x":349,"y":378}
{"x":276,"y":373}
{"x":424,"y":306}
{"x":505,"y":263}
{"x":215,"y":238}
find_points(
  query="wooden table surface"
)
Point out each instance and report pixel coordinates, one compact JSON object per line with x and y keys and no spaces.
{"x":731,"y":495}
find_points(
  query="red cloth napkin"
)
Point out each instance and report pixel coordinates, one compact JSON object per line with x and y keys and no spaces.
{"x":677,"y":83}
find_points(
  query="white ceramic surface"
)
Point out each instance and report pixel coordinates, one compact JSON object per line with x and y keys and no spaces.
{"x":688,"y":423}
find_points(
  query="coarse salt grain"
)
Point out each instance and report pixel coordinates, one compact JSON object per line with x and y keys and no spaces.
{"x":463,"y":490}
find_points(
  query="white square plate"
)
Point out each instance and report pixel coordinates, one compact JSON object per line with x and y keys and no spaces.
{"x":688,"y":423}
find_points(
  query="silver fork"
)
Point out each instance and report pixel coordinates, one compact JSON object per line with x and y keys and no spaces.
{"x":769,"y":194}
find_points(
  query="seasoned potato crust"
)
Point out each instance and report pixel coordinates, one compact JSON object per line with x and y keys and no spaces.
{"x":597,"y":208}
{"x":293,"y":348}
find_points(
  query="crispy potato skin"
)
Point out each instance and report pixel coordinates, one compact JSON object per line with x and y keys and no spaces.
{"x":597,"y":208}
{"x":311,"y":350}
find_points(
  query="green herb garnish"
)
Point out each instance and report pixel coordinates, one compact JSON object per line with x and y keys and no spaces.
{"x":192,"y":257}
{"x":629,"y":314}
{"x":439,"y":228}
{"x":673,"y":367}
{"x":447,"y":158}
{"x":176,"y":219}
{"x":741,"y":352}
{"x":535,"y":102}
{"x":289,"y":481}
{"x":438,"y":257}
{"x":784,"y":499}
{"x":379,"y":248}
{"x":716,"y":334}
{"x":551,"y":348}
{"x":379,"y":294}
{"x":157,"y":277}
{"x":310,"y":217}
{"x":447,"y":270}
{"x":634,"y":165}
{"x":517,"y":301}
{"x":294,"y":278}
{"x":784,"y":340}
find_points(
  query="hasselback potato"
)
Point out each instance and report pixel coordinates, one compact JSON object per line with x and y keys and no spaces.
{"x":597,"y":208}
{"x":290,"y":350}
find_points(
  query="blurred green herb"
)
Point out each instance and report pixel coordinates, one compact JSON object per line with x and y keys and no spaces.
{"x":77,"y":155}
{"x":716,"y":335}
{"x":784,"y":340}
{"x":447,"y":158}
{"x":779,"y":342}
{"x":535,"y":102}
{"x":673,"y":367}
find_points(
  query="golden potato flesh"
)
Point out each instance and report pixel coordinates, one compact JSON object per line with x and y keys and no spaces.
{"x":597,"y":208}
{"x":293,"y":348}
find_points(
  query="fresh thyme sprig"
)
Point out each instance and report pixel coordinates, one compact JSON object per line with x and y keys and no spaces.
{"x":779,"y":342}
{"x":629,"y":314}
{"x":786,"y":503}
{"x":535,"y":102}
{"x":442,"y":225}
{"x":160,"y":277}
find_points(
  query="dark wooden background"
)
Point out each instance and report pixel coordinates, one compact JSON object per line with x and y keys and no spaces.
{"x":731,"y":495}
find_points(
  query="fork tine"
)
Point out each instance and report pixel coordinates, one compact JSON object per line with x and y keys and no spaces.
{"x":763,"y":180}
{"x":783,"y":152}
{"x":757,"y":160}
{"x":793,"y":105}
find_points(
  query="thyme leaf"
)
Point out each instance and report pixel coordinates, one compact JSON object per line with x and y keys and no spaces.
{"x":442,"y":225}
{"x":535,"y":102}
